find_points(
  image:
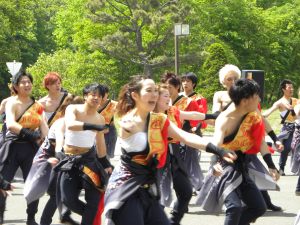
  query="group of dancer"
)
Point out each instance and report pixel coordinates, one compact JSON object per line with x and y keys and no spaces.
{"x":63,"y":145}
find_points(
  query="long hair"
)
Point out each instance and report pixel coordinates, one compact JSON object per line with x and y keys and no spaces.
{"x":125,"y":100}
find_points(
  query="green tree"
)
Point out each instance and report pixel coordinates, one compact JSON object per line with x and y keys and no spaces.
{"x":217,"y":58}
{"x":142,"y":30}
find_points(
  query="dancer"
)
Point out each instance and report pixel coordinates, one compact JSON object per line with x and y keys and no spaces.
{"x":285,"y":105}
{"x":143,"y":139}
{"x":174,"y":169}
{"x":227,"y":76}
{"x":295,"y":165}
{"x":241,"y":129}
{"x":190,"y":156}
{"x":54,"y":104}
{"x":26,"y":126}
{"x":107,"y":109}
{"x":55,"y":98}
{"x":84,"y":164}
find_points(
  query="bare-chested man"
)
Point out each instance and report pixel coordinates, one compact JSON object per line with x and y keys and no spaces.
{"x":26,"y":126}
{"x":286,"y":107}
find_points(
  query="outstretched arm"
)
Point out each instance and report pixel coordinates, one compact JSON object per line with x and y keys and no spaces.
{"x":199,"y":143}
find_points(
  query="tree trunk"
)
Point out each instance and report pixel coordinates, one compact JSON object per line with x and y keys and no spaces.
{"x":148,"y":70}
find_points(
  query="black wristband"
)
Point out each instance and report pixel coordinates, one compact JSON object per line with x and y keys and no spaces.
{"x":215,"y":150}
{"x":268,"y":160}
{"x":273,"y":136}
{"x":212,"y":116}
{"x":90,"y":126}
{"x":104,"y":162}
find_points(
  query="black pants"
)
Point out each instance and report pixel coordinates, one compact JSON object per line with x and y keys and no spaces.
{"x":51,"y":205}
{"x":140,"y":209}
{"x":20,"y":155}
{"x":252,"y":197}
{"x":284,"y":154}
{"x":71,"y":184}
{"x":298,"y":184}
{"x":183,"y":189}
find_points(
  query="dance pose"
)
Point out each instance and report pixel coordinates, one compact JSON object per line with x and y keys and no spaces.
{"x":26,"y":127}
{"x":241,"y":129}
{"x":132,"y":195}
{"x":286,"y":107}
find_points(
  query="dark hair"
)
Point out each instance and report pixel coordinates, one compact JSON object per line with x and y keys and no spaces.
{"x":190,"y":76}
{"x":94,"y":87}
{"x":171,"y":78}
{"x":16,"y":79}
{"x":105,"y":88}
{"x":283,"y":84}
{"x":243,"y":89}
{"x":125,"y":100}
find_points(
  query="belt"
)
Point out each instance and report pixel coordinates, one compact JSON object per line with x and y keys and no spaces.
{"x":75,"y":151}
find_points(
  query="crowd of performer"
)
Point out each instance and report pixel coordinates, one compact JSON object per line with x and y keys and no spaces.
{"x":64,"y":144}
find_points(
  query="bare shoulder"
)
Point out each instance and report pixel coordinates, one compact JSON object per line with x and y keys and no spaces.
{"x":100,"y":119}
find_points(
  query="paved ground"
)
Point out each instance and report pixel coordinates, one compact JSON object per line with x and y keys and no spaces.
{"x":15,"y":214}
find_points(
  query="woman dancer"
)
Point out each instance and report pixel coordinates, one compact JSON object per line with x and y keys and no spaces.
{"x":132,"y":194}
{"x":175,"y":169}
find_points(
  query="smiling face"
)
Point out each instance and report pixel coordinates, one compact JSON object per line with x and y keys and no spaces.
{"x":147,"y":97}
{"x":163,"y":102}
{"x":24,"y":86}
{"x":93,"y":99}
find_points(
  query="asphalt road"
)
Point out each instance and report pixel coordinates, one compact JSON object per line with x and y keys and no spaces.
{"x":16,"y":206}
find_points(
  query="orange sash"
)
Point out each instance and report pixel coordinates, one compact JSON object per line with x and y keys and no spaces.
{"x":108,"y":111}
{"x":182,"y":103}
{"x":249,"y":136}
{"x":157,"y":139}
{"x":290,"y":118}
{"x":57,"y":113}
{"x":32,"y":117}
{"x":173,"y":115}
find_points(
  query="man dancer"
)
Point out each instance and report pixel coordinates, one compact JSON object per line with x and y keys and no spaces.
{"x":107,"y":109}
{"x":55,"y":98}
{"x":26,"y":126}
{"x":83,"y":166}
{"x":241,"y":129}
{"x":286,"y":107}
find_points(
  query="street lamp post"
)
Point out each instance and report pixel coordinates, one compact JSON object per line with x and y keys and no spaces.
{"x":179,"y":30}
{"x":13,"y":67}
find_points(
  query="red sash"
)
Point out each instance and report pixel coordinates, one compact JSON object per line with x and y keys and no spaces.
{"x":249,"y":136}
{"x":174,"y":116}
{"x":157,"y":139}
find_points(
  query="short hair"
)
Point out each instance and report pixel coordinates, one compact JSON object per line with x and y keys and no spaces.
{"x":93,"y":87}
{"x":243,"y":89}
{"x":226,"y":69}
{"x":16,"y":79}
{"x":283,"y":84}
{"x":171,"y":78}
{"x":190,"y":76}
{"x":51,"y":78}
{"x":105,"y":88}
